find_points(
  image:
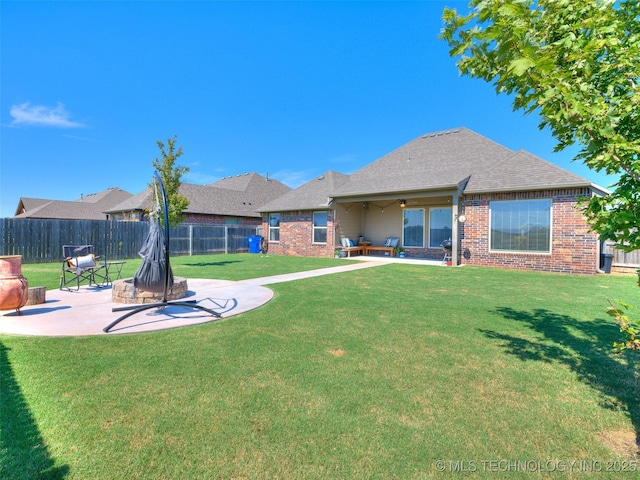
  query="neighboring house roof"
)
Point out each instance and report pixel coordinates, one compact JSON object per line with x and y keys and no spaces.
{"x":238,"y":196}
{"x":452,"y":159}
{"x":139,"y":201}
{"x":88,"y":207}
{"x":28,"y":204}
{"x":312,"y":195}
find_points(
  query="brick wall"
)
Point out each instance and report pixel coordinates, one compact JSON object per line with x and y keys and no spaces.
{"x":296,"y":235}
{"x":574,"y":248}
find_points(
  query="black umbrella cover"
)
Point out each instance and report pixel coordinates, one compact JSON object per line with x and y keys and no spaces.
{"x":152,"y":273}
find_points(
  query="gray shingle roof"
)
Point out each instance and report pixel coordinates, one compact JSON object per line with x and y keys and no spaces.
{"x":523,"y":171}
{"x":89,"y":207}
{"x":312,"y":195}
{"x":450,"y":159}
{"x":432,"y":161}
{"x":238,"y":196}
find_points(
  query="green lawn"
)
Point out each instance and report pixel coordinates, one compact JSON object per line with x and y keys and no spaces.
{"x":376,"y":373}
{"x":225,"y":267}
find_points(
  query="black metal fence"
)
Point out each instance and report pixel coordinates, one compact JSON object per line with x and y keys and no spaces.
{"x":41,"y":241}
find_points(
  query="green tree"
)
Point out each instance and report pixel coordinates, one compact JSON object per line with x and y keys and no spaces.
{"x":171,"y":175}
{"x":576,"y":64}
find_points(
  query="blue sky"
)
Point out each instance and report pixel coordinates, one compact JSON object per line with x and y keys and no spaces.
{"x":291,"y":89}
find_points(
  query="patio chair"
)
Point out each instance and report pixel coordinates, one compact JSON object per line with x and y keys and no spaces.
{"x":80,"y":265}
{"x":348,"y":246}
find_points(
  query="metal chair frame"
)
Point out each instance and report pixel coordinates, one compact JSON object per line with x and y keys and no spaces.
{"x":74,"y":273}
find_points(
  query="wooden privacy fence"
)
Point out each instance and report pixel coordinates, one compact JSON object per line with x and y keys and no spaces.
{"x":41,"y":241}
{"x":620,"y":257}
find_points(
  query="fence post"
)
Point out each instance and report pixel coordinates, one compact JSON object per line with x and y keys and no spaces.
{"x":190,"y":240}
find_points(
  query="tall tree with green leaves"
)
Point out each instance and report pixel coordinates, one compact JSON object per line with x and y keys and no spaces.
{"x":576,"y":64}
{"x":171,"y":175}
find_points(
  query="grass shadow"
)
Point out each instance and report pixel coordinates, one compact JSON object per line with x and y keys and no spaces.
{"x":584,"y":347}
{"x":208,"y":264}
{"x":23,"y":454}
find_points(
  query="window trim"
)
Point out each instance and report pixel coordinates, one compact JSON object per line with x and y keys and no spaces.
{"x":526,"y":252}
{"x":271,"y":228}
{"x":423,"y":210}
{"x":314,"y":227}
{"x":439,"y":207}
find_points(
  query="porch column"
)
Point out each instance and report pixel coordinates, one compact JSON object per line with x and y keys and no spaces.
{"x":454,"y":230}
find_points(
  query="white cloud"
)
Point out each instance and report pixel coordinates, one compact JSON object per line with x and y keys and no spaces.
{"x":199,"y":178}
{"x":293,"y":178}
{"x":43,"y":116}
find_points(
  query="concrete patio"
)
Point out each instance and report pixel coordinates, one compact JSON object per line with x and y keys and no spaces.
{"x":89,"y":310}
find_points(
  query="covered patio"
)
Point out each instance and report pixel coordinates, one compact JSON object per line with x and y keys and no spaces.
{"x":420,"y":221}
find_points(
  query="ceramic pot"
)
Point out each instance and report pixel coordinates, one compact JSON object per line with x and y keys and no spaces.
{"x":14,"y":288}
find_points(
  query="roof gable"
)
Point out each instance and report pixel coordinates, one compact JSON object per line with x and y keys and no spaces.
{"x":523,"y":171}
{"x":92,"y":209}
{"x":432,"y":161}
{"x":246,"y":194}
{"x":450,"y":159}
{"x":312,"y":195}
{"x":26,"y":204}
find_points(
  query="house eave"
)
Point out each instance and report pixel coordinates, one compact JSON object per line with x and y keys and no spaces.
{"x":440,"y":190}
{"x":298,"y":208}
{"x":525,"y":188}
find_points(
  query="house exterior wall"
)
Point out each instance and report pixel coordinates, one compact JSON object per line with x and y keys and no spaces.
{"x":296,"y":235}
{"x":574,"y":248}
{"x":348,"y":222}
{"x":380,"y":225}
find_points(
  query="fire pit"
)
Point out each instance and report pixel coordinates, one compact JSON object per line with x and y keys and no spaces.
{"x":122,"y":291}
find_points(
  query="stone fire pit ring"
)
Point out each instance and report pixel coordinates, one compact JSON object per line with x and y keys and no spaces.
{"x":123,"y":291}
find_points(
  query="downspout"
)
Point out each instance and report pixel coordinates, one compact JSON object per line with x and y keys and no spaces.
{"x":598,"y":255}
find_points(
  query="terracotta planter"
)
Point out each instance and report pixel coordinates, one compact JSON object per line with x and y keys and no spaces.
{"x":14,"y":288}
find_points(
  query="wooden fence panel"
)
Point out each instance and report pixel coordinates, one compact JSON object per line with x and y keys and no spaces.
{"x":41,"y":241}
{"x":626,"y":259}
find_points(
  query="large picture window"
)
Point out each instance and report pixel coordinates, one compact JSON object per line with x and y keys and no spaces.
{"x":521,"y":225}
{"x":320,"y":227}
{"x":413,"y":229}
{"x":439,"y":226}
{"x":274,"y":227}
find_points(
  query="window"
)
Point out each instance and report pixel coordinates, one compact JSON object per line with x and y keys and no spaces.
{"x":521,"y":225}
{"x":274,"y":227}
{"x":413,"y":229}
{"x":439,"y":226}
{"x":231,"y":221}
{"x":320,"y":227}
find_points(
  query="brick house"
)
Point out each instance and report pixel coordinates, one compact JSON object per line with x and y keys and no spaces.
{"x":498,"y":207}
{"x":229,"y":201}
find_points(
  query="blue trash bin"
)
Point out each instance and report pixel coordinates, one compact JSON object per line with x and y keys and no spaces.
{"x":254,"y":243}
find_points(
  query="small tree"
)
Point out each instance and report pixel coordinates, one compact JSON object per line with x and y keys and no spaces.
{"x":577,"y":65}
{"x":171,"y":175}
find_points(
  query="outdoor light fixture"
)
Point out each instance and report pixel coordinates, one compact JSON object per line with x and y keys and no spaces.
{"x":403,"y":203}
{"x":462,"y":218}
